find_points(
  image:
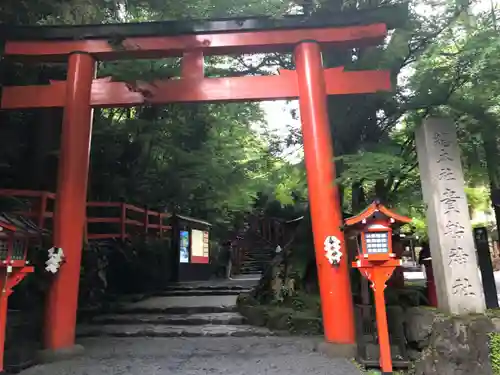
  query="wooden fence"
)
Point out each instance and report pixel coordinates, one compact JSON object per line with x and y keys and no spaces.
{"x":119,"y":219}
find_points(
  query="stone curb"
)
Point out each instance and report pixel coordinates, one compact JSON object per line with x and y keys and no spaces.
{"x":332,"y":350}
{"x":177,"y":310}
{"x":172,"y":331}
{"x":195,"y":319}
{"x":200,"y":292}
{"x":49,"y":355}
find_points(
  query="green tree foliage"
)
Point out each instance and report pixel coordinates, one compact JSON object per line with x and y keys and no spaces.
{"x":445,"y":62}
{"x":458,"y":77}
{"x":205,"y":159}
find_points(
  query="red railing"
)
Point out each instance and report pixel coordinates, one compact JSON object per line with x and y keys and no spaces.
{"x":122,"y":220}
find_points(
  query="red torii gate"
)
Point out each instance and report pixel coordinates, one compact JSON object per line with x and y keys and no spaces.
{"x":83,"y":45}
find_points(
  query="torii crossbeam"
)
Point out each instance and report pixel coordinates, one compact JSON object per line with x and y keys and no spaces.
{"x":191,"y":40}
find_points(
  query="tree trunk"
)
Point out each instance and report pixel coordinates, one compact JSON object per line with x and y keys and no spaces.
{"x":381,"y":190}
{"x":491,"y":151}
{"x":358,"y":199}
{"x":42,"y":144}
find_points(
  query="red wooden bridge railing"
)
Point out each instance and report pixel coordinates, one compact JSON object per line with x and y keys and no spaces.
{"x":122,"y":220}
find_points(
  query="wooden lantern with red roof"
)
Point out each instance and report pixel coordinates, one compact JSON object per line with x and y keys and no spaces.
{"x":14,"y":236}
{"x":376,"y":261}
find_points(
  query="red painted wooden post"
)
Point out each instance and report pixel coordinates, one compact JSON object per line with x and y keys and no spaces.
{"x":146,"y":220}
{"x":3,"y":318}
{"x":326,"y":215}
{"x":70,"y":209}
{"x":123,"y":220}
{"x":380,"y":277}
{"x":193,"y":65}
{"x":160,"y":218}
{"x":43,"y":209}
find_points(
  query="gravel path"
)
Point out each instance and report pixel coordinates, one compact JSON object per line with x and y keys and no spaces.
{"x":198,"y":356}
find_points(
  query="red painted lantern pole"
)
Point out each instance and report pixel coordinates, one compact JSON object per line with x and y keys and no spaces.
{"x":326,"y":215}
{"x":4,"y":298}
{"x":71,"y":202}
{"x":378,"y":275}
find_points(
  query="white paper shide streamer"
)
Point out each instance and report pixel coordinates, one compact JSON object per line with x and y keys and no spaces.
{"x":332,"y":250}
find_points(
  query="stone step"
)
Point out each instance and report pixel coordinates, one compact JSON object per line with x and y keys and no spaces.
{"x":161,"y":330}
{"x":230,"y":318}
{"x":256,"y":268}
{"x":251,"y":262}
{"x":252,"y":269}
{"x":254,"y":277}
{"x":195,"y":286}
{"x":254,"y":262}
{"x":177,"y":309}
{"x":202,"y":292}
{"x":182,"y":305}
{"x":260,"y":252}
{"x":258,"y":258}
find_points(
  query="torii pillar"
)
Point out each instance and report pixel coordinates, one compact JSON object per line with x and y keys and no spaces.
{"x":69,"y":218}
{"x":324,"y":200}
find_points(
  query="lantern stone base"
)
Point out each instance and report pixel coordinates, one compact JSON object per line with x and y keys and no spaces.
{"x":334,"y":350}
{"x":51,"y":355}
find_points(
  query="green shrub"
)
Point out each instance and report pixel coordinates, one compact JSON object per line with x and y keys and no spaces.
{"x":113,"y":267}
{"x":495,"y":353}
{"x":141,"y":265}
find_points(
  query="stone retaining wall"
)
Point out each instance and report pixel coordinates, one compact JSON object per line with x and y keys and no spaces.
{"x":282,"y":319}
{"x":450,"y":345}
{"x":436,"y":343}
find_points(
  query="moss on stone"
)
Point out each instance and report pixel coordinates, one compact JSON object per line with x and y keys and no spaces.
{"x":281,"y":318}
{"x":493,"y":313}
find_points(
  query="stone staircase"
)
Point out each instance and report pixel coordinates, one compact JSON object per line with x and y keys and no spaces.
{"x":188,"y":309}
{"x":256,"y":259}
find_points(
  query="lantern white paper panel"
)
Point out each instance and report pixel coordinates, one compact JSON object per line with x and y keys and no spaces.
{"x":377,"y":242}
